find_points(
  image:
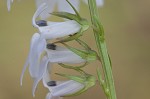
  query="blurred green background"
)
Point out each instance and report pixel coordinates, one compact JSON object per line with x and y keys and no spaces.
{"x":127,"y":29}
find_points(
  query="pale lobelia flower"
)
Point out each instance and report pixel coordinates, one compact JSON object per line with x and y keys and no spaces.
{"x":75,"y":86}
{"x":58,"y":89}
{"x":51,"y":30}
{"x":42,"y":53}
{"x":62,"y":6}
{"x":9,"y":2}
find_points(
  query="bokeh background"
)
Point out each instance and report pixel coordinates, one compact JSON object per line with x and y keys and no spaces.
{"x":127,"y":29}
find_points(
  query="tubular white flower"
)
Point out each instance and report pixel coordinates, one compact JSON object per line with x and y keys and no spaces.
{"x":9,"y":2}
{"x":61,"y":29}
{"x":59,"y":89}
{"x":39,"y":57}
{"x":52,"y":30}
{"x":62,"y":6}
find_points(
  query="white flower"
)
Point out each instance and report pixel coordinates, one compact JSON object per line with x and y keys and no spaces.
{"x":9,"y":2}
{"x":41,"y":54}
{"x":58,"y":89}
{"x":51,"y":30}
{"x":62,"y":6}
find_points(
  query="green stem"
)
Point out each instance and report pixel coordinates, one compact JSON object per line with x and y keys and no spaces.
{"x":102,"y":50}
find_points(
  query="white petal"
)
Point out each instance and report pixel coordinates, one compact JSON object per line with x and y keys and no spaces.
{"x":38,"y":48}
{"x":41,"y":72}
{"x":46,"y":78}
{"x":98,"y":2}
{"x":24,"y":69}
{"x":49,"y":96}
{"x":33,"y":40}
{"x":60,"y":29}
{"x":41,"y":46}
{"x":40,"y":9}
{"x":33,"y":56}
{"x":9,"y":2}
{"x":46,"y":13}
{"x":64,"y":6}
{"x":49,"y":23}
{"x":63,"y":55}
{"x":66,"y":88}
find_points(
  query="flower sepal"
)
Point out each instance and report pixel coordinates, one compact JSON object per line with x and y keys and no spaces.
{"x":87,"y":80}
{"x":73,"y":67}
{"x":88,"y":55}
{"x":82,"y":21}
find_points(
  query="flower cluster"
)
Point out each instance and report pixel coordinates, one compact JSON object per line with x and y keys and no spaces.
{"x":44,"y":49}
{"x":43,"y":53}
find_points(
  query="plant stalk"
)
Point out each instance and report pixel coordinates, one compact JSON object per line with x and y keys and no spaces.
{"x":102,"y":50}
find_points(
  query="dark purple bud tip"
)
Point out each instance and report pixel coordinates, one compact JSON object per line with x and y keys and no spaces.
{"x":41,"y":23}
{"x":51,"y":46}
{"x":51,"y":83}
